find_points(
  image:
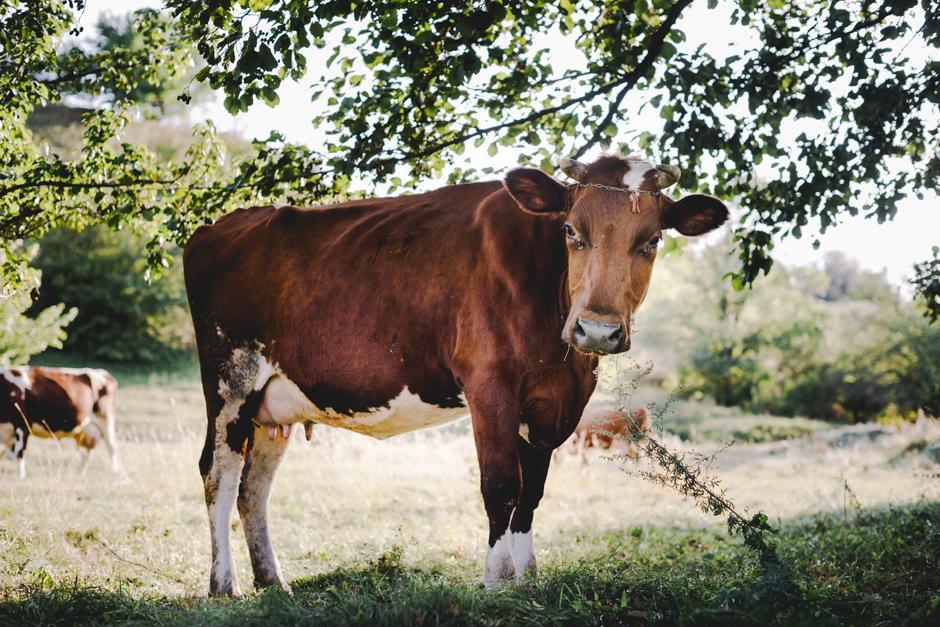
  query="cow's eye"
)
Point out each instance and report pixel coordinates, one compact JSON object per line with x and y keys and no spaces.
{"x":651,"y":245}
{"x":572,"y":235}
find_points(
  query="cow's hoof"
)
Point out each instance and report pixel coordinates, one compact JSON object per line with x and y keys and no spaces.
{"x":222,"y":591}
{"x":280,"y":585}
{"x":493,"y":584}
{"x":225,"y":594}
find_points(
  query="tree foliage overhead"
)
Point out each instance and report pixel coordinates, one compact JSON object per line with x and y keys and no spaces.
{"x":113,"y":182}
{"x":408,"y":85}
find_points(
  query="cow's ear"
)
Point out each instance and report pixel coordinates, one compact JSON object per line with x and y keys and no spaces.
{"x":536,"y":191}
{"x":695,"y":214}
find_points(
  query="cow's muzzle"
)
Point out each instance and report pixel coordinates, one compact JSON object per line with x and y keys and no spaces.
{"x":593,"y":336}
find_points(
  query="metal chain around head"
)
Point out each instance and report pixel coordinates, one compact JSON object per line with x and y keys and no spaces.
{"x":618,"y":189}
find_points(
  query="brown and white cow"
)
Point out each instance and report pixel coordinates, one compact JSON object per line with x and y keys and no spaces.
{"x":76,"y":403}
{"x":602,"y":426}
{"x":386,"y":315}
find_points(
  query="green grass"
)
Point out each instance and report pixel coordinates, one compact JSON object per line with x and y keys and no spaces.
{"x":880,"y":567}
{"x":393,"y":532}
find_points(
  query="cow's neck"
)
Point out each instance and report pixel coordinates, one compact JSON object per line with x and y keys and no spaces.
{"x":530,"y":250}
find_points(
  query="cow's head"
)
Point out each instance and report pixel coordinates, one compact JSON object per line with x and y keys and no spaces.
{"x":612,"y":236}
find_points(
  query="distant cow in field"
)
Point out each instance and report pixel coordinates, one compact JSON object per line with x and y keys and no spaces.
{"x":386,"y":315}
{"x":76,"y":403}
{"x":601,"y":427}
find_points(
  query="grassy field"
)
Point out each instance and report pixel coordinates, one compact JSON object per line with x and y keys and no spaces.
{"x":393,"y":532}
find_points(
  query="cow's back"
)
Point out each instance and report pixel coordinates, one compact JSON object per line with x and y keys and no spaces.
{"x":373,"y":284}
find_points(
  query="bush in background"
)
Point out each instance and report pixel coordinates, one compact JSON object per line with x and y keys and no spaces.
{"x":836,"y":342}
{"x":121,"y":317}
{"x":22,"y":335}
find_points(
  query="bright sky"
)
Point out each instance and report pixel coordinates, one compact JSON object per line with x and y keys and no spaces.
{"x":892,"y":247}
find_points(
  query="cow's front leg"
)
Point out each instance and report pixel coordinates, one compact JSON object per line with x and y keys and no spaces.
{"x":84,"y":455}
{"x":495,"y":416}
{"x":264,"y":455}
{"x":534,"y":463}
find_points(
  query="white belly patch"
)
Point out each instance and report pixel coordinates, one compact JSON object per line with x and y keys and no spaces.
{"x":285,"y":403}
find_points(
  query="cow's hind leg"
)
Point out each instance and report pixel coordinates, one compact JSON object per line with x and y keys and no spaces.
{"x":107,"y":415}
{"x":84,"y":455}
{"x":221,"y":488}
{"x":221,"y":467}
{"x":534,"y":464}
{"x":264,"y":456}
{"x":18,"y":450}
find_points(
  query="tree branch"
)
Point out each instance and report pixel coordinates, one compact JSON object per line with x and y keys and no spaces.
{"x":76,"y":185}
{"x":629,"y":80}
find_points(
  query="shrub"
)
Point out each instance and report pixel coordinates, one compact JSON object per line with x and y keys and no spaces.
{"x":121,"y":316}
{"x":22,"y":336}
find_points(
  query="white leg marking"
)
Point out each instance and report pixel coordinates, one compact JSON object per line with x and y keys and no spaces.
{"x":112,"y":451}
{"x":498,"y":565}
{"x":19,"y":442}
{"x":221,"y":484}
{"x":523,"y":555}
{"x":110,"y":438}
{"x":17,"y":452}
{"x":221,"y":491}
{"x":83,"y":462}
{"x":263,"y":459}
{"x":247,"y":371}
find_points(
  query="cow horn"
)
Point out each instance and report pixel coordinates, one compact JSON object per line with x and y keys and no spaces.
{"x":667,"y":175}
{"x":574,"y":169}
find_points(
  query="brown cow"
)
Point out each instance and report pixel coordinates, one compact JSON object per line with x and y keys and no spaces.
{"x":603,"y":425}
{"x":59,"y":403}
{"x":386,"y":315}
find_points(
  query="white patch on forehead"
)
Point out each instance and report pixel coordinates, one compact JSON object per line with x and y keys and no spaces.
{"x":639,"y":166}
{"x":19,"y":377}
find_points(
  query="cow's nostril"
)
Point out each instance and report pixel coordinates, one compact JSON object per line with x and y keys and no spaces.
{"x":617,"y":336}
{"x":579,"y":330}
